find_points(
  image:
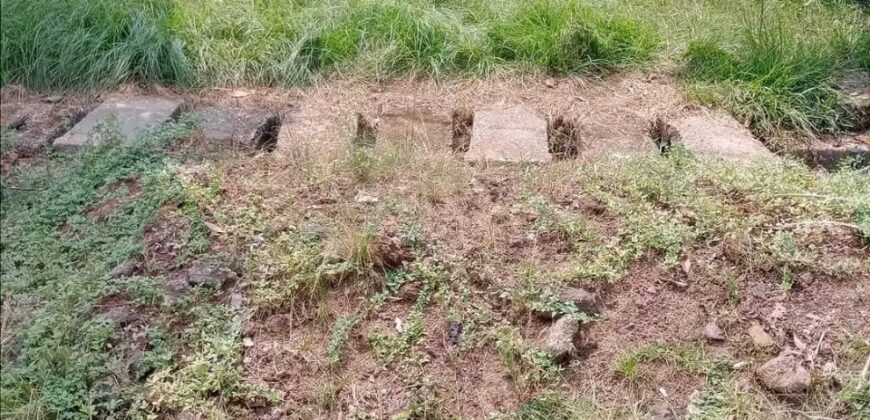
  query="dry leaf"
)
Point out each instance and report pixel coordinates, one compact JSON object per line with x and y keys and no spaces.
{"x":213,"y":227}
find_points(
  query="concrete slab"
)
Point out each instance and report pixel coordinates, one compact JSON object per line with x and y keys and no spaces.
{"x":513,"y":134}
{"x":231,"y":125}
{"x":429,"y":129}
{"x":709,"y":133}
{"x":133,"y":115}
{"x":856,"y":87}
{"x":36,"y":124}
{"x":832,"y":153}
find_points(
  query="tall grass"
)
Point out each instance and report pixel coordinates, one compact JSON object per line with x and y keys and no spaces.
{"x":83,"y":43}
{"x":773,"y":79}
{"x":77,"y":43}
{"x":775,"y":61}
{"x":781,"y":68}
{"x":568,"y":36}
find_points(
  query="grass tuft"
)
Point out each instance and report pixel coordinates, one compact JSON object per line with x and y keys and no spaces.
{"x":566,"y":37}
{"x":773,"y":76}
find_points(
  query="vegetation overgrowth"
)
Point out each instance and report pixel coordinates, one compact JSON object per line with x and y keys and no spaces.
{"x":776,"y":61}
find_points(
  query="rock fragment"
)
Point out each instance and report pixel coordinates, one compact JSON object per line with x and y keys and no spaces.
{"x":209,"y":272}
{"x":560,"y":338}
{"x":784,"y":374}
{"x":120,"y":315}
{"x":760,"y":338}
{"x":583,"y":299}
{"x":364,"y":198}
{"x":124,"y":269}
{"x":713,"y":332}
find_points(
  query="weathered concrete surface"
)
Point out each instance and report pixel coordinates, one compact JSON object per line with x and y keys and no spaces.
{"x":856,"y":87}
{"x":708,"y":133}
{"x":132,"y":115}
{"x":514,"y":134}
{"x":831,"y":156}
{"x":430,"y":129}
{"x":36,"y":124}
{"x":232,"y":125}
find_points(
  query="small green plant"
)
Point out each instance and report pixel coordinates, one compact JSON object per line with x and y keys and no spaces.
{"x":855,"y":394}
{"x":554,"y":221}
{"x":387,"y":347}
{"x":300,"y":272}
{"x":362,"y":163}
{"x":723,"y":397}
{"x":340,"y":334}
{"x":527,"y":365}
{"x":630,"y":364}
{"x":787,"y":280}
{"x":536,"y":300}
{"x":327,"y":392}
{"x":733,"y":290}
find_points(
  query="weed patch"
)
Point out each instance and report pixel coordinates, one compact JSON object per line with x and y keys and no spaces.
{"x":527,"y":365}
{"x":64,"y":354}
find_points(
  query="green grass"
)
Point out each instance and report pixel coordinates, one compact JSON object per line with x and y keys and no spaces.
{"x":567,"y":36}
{"x":686,"y":358}
{"x":774,"y":78}
{"x":776,"y":61}
{"x":75,"y":44}
{"x":61,"y":44}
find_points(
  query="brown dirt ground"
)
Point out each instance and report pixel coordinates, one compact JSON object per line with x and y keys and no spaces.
{"x":645,"y":307}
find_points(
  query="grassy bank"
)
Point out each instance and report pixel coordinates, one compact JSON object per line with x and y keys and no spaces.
{"x":774,"y":61}
{"x":81,"y":43}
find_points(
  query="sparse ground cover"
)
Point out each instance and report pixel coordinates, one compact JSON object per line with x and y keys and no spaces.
{"x":159,"y":279}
